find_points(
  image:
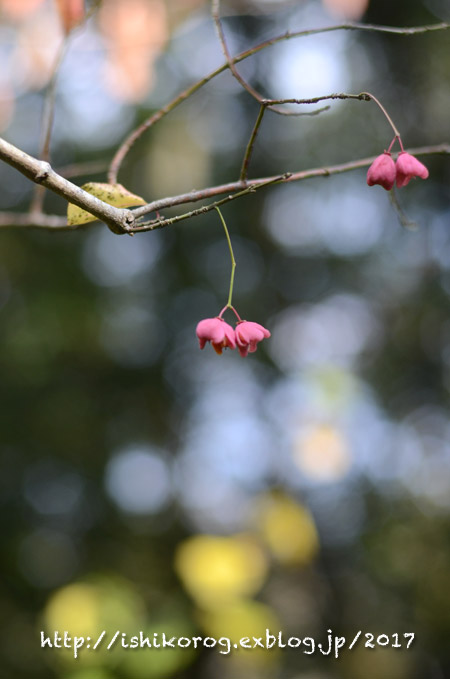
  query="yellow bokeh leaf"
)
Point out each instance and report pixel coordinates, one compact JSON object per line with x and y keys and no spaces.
{"x":75,"y":608}
{"x":243,"y":619}
{"x":217,"y":569}
{"x":160,"y":664}
{"x":288,"y":529}
{"x":84,"y":609}
{"x":113,"y":194}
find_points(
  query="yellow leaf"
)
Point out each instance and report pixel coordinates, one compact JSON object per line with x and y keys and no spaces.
{"x":113,"y":194}
{"x":288,"y":529}
{"x":216,"y":569}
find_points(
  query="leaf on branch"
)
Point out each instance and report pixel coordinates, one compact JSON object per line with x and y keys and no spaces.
{"x":113,"y":194}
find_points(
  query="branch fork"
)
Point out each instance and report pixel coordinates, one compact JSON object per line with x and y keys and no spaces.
{"x":123,"y":220}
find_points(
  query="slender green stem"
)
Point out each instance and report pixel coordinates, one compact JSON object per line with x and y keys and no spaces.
{"x":233,"y":261}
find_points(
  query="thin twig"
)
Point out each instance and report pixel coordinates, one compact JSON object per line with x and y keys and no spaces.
{"x":47,"y":122}
{"x":49,"y":106}
{"x":188,"y":92}
{"x":215,"y":12}
{"x":351,"y":26}
{"x":49,"y":113}
{"x":388,"y":117}
{"x":160,"y":223}
{"x":362,"y":96}
{"x":251,"y":143}
{"x":82,"y":169}
{"x":26,"y":220}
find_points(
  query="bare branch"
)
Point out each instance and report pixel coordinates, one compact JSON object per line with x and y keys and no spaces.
{"x":204,"y":194}
{"x":30,"y":220}
{"x":160,"y":223}
{"x":251,"y":143}
{"x":81,"y":169}
{"x":371,"y":28}
{"x":47,"y":122}
{"x":351,"y":26}
{"x":215,"y":11}
{"x":124,"y":148}
{"x":124,"y":221}
{"x":49,"y":104}
{"x":362,"y":96}
{"x":119,"y":220}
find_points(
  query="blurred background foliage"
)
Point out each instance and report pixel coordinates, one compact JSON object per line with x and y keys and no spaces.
{"x":146,"y":485}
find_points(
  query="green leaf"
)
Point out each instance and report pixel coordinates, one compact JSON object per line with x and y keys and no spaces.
{"x":113,"y":194}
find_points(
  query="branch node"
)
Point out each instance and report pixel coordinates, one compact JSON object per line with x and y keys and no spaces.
{"x":43,"y":172}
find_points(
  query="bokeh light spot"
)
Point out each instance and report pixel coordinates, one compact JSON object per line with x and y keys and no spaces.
{"x":215,"y":569}
{"x":322,"y":453}
{"x":137,"y":479}
{"x":239,"y":619}
{"x":287,"y":528}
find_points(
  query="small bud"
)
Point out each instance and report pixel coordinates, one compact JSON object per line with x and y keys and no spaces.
{"x":382,"y":171}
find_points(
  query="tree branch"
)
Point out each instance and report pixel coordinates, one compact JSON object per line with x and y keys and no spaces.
{"x":30,"y":220}
{"x":79,"y":169}
{"x":160,"y":223}
{"x":119,"y":220}
{"x":50,"y":100}
{"x":231,"y":64}
{"x":124,"y":221}
{"x":371,"y":28}
{"x":251,"y":143}
{"x":204,"y":194}
{"x":215,"y":11}
{"x":47,"y":122}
